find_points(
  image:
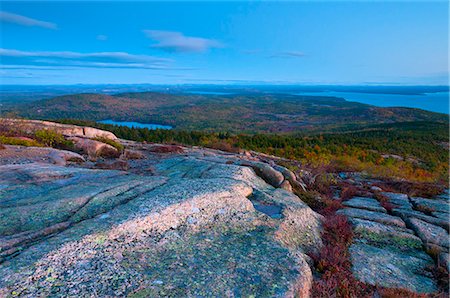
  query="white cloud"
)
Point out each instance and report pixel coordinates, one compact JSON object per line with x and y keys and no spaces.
{"x":16,"y":58}
{"x":288,"y":54}
{"x":102,"y":37}
{"x":8,"y":17}
{"x":171,"y":41}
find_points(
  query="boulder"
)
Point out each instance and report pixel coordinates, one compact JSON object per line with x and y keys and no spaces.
{"x":286,"y":186}
{"x":94,"y":148}
{"x":375,"y":188}
{"x":266,"y":172}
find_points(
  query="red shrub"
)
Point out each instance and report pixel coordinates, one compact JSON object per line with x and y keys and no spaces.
{"x":348,"y":192}
{"x":398,"y":293}
{"x":413,"y":189}
{"x":329,"y":207}
{"x":337,"y":230}
{"x":388,"y":206}
{"x":332,"y":259}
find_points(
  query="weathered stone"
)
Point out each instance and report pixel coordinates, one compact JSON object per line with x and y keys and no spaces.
{"x":375,"y":188}
{"x":288,"y":174}
{"x":365,"y":203}
{"x":444,"y":196}
{"x":31,"y":126}
{"x":120,"y":165}
{"x":394,"y":195}
{"x":431,"y":204}
{"x":391,"y":269}
{"x":189,"y":227}
{"x":266,"y":172}
{"x":21,"y":154}
{"x":373,"y":216}
{"x":132,"y":154}
{"x":286,"y":186}
{"x":442,"y":215}
{"x":401,"y":201}
{"x":159,"y":148}
{"x":94,"y":148}
{"x":374,"y":231}
{"x":405,"y":214}
{"x":429,"y":233}
{"x":444,"y":260}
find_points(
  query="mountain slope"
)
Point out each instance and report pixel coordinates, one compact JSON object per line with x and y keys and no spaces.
{"x":235,"y":113}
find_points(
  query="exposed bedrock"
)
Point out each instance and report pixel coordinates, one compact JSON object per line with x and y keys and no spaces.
{"x":196,"y":224}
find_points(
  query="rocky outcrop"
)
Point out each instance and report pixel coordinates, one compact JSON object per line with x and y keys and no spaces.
{"x":390,"y":246}
{"x":198,"y":224}
{"x":31,"y":126}
{"x":94,"y":148}
{"x":19,"y":154}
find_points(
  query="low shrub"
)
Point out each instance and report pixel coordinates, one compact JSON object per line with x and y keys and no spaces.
{"x":388,"y":206}
{"x":310,"y":198}
{"x":330,"y":207}
{"x":348,"y":192}
{"x":398,"y":293}
{"x":53,"y":139}
{"x":337,"y":230}
{"x":19,"y":141}
{"x":413,"y":189}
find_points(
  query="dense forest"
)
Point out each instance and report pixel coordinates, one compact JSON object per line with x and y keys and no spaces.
{"x":417,"y":151}
{"x":236,"y":113}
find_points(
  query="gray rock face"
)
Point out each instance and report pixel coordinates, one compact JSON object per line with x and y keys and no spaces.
{"x":406,"y":214}
{"x":373,"y":216}
{"x":32,"y":126}
{"x":444,"y":260}
{"x":395,"y":196}
{"x":400,"y":200}
{"x":377,"y":232}
{"x":187,"y":228}
{"x":365,"y":203}
{"x":430,"y":233}
{"x":432,"y":204}
{"x":377,"y":266}
{"x":20,"y":154}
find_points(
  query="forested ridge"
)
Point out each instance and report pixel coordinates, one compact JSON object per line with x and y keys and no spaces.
{"x":412,"y":150}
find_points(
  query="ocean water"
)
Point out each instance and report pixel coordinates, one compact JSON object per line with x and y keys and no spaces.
{"x":434,"y":102}
{"x":136,"y":124}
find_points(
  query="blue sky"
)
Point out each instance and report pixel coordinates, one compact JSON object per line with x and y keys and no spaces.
{"x":224,"y":42}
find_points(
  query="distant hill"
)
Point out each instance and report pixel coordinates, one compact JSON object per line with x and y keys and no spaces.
{"x":235,"y":113}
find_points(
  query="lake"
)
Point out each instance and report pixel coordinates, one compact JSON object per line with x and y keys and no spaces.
{"x":136,"y":124}
{"x":434,"y":102}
